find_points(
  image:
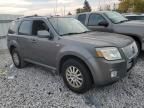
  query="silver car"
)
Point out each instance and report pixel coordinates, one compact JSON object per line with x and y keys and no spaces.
{"x":113,"y":22}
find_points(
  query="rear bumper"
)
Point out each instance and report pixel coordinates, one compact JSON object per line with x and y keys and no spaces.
{"x":103,"y":70}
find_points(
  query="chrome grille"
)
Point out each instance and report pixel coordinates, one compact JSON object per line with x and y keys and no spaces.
{"x":131,"y":50}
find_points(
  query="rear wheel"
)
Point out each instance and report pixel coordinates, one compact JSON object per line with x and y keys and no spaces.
{"x":76,"y":76}
{"x":17,"y":60}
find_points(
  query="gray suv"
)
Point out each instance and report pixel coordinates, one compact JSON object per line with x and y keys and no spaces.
{"x":67,"y":47}
{"x":110,"y":21}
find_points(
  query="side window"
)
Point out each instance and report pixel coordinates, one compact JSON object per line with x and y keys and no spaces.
{"x":25,"y":28}
{"x":95,"y":19}
{"x":13,"y":27}
{"x":38,"y":25}
{"x":82,"y":18}
{"x":131,"y":17}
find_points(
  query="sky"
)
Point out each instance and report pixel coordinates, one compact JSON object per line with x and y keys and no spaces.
{"x":47,"y":7}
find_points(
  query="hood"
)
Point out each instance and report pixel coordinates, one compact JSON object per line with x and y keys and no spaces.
{"x":133,"y":23}
{"x":130,"y":27}
{"x":101,"y":39}
{"x":140,"y":20}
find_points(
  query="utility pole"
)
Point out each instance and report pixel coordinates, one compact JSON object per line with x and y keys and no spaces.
{"x":99,"y":5}
{"x":56,"y":7}
{"x":64,"y":10}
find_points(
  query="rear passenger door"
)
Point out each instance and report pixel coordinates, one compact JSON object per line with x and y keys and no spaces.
{"x":94,"y":20}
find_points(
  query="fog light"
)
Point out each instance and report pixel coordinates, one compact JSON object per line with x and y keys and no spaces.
{"x":113,"y":74}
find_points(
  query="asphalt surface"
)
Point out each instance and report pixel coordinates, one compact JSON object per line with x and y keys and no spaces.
{"x":37,"y":87}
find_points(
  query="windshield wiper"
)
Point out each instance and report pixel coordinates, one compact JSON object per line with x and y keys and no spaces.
{"x":86,"y":31}
{"x":69,"y":34}
{"x":122,"y":21}
{"x":74,"y":33}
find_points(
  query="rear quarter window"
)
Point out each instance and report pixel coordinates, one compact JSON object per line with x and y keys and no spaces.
{"x":13,"y":27}
{"x":82,"y":18}
{"x":25,"y":28}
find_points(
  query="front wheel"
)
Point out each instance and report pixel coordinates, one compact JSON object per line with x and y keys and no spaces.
{"x":76,"y":76}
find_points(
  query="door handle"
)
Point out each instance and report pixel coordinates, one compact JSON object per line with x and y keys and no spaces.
{"x":33,"y":40}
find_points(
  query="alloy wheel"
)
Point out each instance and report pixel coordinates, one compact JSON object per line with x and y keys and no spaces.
{"x":74,"y":76}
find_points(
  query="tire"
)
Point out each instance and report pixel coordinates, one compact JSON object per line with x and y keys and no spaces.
{"x":81,"y":71}
{"x":19,"y":63}
{"x":139,"y":47}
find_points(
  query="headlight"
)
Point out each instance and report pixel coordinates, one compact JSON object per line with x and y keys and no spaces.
{"x":109,"y":53}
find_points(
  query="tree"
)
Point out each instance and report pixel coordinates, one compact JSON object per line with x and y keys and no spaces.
{"x":124,"y":6}
{"x":131,"y":6}
{"x":79,"y":10}
{"x":86,"y":8}
{"x":100,"y":8}
{"x":138,"y":6}
{"x":114,"y":7}
{"x":107,"y":7}
{"x":69,"y":13}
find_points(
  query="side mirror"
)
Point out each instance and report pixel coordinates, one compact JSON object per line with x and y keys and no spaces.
{"x":103,"y":23}
{"x":43,"y":34}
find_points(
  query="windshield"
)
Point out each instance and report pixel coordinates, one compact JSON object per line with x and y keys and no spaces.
{"x":67,"y":26}
{"x":115,"y":17}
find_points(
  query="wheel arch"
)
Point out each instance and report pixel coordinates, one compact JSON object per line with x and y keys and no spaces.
{"x":137,"y":39}
{"x":12,"y":44}
{"x":66,"y":57}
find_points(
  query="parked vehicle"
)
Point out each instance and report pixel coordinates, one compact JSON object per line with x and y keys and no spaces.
{"x":110,"y":21}
{"x":66,"y":46}
{"x":135,"y":17}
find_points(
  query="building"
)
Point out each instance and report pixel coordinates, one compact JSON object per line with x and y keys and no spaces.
{"x":5,"y":20}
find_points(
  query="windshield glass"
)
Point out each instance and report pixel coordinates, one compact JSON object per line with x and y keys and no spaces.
{"x":115,"y":17}
{"x":67,"y":26}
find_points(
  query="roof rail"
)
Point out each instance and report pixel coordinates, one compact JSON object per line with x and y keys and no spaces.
{"x":28,"y":16}
{"x":31,"y":16}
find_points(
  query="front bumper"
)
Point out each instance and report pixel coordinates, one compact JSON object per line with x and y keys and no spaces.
{"x":104,"y":70}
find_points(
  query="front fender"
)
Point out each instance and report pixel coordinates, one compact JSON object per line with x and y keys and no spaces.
{"x":83,"y":54}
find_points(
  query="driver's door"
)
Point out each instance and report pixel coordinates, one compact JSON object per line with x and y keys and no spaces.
{"x":44,"y":49}
{"x":93,"y":23}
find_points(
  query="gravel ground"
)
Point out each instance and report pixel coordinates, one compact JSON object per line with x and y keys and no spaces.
{"x":3,"y":43}
{"x":37,"y":87}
